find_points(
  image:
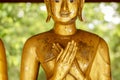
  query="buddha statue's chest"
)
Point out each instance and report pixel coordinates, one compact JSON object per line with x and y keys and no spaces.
{"x":84,"y":56}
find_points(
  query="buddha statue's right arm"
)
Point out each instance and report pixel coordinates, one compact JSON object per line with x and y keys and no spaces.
{"x":29,"y":63}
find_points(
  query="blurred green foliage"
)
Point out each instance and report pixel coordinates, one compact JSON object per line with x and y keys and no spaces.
{"x":19,"y":21}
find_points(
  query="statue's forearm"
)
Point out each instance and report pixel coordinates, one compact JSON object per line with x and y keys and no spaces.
{"x":57,"y":77}
{"x":106,"y":75}
{"x":76,"y":71}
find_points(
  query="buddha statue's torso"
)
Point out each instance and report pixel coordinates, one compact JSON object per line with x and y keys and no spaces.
{"x":86,"y":43}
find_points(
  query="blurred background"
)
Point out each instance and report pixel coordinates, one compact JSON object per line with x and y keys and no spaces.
{"x":19,"y":21}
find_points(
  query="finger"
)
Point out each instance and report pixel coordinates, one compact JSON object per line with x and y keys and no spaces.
{"x":65,"y":51}
{"x":58,"y":57}
{"x":58,"y":46}
{"x":69,"y":51}
{"x":73,"y":54}
{"x":55,"y":48}
{"x":54,"y":52}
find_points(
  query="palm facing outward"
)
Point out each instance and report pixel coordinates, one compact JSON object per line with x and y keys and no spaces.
{"x":64,"y":60}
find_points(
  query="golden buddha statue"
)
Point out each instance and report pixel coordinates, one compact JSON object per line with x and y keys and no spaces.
{"x":64,"y":52}
{"x":3,"y":62}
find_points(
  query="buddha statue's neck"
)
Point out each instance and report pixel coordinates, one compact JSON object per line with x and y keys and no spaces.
{"x":65,"y":29}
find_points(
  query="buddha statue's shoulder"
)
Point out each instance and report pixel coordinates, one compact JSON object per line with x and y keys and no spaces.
{"x":35,"y":39}
{"x":96,"y":42}
{"x":41,"y":44}
{"x":91,"y":37}
{"x":90,"y":41}
{"x":88,"y":38}
{"x":88,"y":35}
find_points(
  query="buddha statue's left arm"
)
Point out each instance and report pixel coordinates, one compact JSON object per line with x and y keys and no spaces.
{"x":101,"y":67}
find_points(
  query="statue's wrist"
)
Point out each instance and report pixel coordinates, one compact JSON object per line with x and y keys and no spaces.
{"x":55,"y":78}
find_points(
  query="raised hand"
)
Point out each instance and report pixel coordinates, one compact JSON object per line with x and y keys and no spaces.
{"x":80,"y":74}
{"x":64,"y":60}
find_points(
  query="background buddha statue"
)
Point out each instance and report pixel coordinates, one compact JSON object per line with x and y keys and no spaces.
{"x":3,"y":62}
